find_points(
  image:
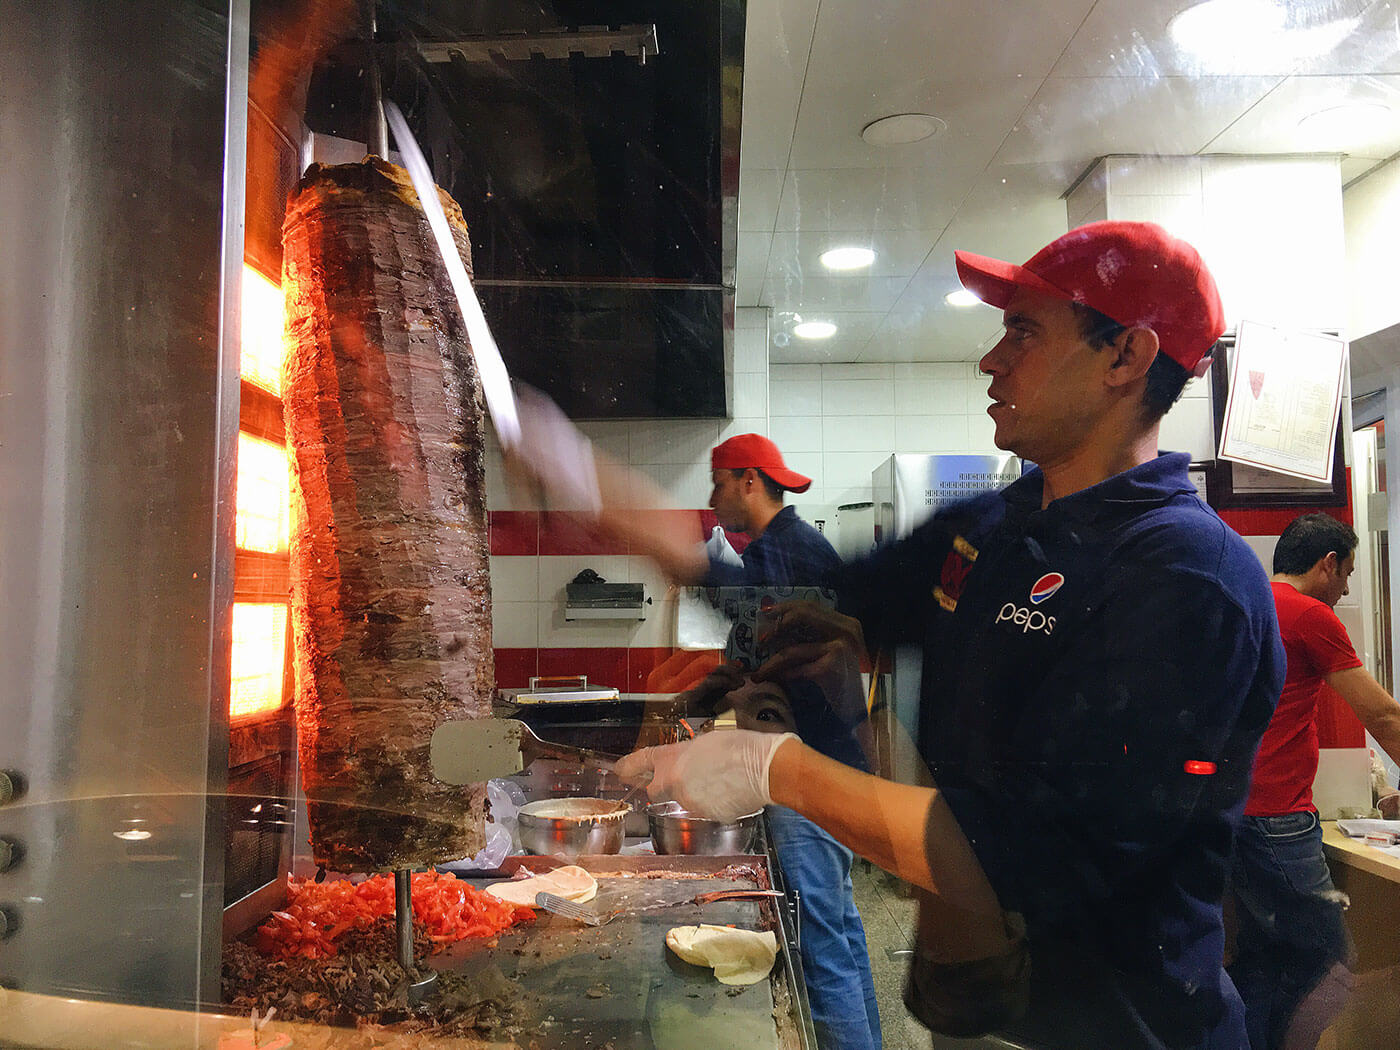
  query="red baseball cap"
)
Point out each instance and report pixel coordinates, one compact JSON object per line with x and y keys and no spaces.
{"x":1134,"y":272}
{"x":754,"y":450}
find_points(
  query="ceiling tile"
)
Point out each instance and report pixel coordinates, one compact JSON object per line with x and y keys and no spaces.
{"x":934,"y":333}
{"x":834,"y":110}
{"x":750,"y":268}
{"x":853,"y":331}
{"x":777,"y":45}
{"x":1072,"y":120}
{"x":875,"y":199}
{"x":796,"y":255}
{"x":1272,"y":125}
{"x":1130,"y":38}
{"x":949,"y":40}
{"x":808,"y":295}
{"x":759,"y":190}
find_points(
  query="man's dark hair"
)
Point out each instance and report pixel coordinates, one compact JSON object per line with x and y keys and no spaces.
{"x":1165,"y":378}
{"x":1309,"y":538}
{"x":774,"y":490}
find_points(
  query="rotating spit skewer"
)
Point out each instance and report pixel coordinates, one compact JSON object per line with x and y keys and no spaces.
{"x":422,"y":983}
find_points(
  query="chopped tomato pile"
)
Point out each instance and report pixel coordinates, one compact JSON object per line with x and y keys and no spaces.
{"x":319,"y":913}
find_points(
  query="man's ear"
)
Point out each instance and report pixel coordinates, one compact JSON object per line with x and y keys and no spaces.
{"x":1133,"y":353}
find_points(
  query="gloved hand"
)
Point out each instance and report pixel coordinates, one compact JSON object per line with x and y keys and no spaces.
{"x":717,"y":776}
{"x":554,"y":454}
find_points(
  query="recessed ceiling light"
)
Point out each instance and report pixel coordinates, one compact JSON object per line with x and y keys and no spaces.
{"x":1347,"y":123}
{"x":901,"y":129}
{"x":961,"y":297}
{"x":1226,"y":33}
{"x":1223,"y":24}
{"x":847,"y":258}
{"x":814,"y":330}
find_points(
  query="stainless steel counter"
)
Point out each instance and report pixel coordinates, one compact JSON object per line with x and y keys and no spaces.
{"x":618,"y":985}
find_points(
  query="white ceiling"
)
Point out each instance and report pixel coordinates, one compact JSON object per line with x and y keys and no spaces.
{"x":1032,"y":91}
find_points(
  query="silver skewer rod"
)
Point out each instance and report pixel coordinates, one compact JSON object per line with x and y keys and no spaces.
{"x":403,"y":916}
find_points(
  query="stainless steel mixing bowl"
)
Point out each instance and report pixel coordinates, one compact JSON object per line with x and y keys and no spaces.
{"x":674,"y":831}
{"x":571,"y":827}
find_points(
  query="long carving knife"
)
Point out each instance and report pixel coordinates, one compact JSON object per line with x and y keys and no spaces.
{"x":495,"y":380}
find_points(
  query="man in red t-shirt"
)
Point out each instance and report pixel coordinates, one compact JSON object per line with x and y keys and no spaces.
{"x":1291,"y":933}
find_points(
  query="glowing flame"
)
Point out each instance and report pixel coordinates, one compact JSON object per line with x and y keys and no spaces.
{"x":263,"y":325}
{"x":259,"y":652}
{"x":263,"y":519}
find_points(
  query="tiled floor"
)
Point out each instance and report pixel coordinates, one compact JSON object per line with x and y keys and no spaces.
{"x":889,"y":917}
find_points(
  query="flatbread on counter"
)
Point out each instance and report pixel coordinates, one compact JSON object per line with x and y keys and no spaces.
{"x":737,"y":956}
{"x":570,"y":882}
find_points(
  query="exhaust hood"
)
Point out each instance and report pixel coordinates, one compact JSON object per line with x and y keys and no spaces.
{"x":593,"y":148}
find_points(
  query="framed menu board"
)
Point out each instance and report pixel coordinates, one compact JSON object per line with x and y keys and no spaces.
{"x":1277,"y":405}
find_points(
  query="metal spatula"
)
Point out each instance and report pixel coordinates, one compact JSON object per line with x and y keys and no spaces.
{"x":471,"y":750}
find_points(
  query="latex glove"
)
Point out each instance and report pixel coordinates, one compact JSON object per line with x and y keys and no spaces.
{"x":554,"y":454}
{"x":717,"y":776}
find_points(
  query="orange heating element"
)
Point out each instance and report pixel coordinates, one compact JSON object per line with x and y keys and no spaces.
{"x":264,"y":496}
{"x":263,"y":346}
{"x":259,"y":655}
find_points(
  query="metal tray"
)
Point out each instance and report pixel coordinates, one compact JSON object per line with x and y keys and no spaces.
{"x":617,"y":985}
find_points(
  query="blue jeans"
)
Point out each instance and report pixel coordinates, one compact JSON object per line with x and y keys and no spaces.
{"x":1290,"y":921}
{"x":835,"y":960}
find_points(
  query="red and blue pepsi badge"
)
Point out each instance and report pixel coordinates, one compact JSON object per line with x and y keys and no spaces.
{"x":1046,"y":586}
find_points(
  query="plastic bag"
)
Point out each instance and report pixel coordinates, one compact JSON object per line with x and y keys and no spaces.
{"x":505,"y":798}
{"x":719,"y":550}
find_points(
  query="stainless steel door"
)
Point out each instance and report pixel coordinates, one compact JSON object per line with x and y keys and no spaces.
{"x":121,"y":197}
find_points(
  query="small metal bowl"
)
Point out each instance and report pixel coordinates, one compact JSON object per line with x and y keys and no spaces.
{"x":571,"y":827}
{"x":674,"y":831}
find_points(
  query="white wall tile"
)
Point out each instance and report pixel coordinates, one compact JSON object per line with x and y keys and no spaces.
{"x":673,"y":440}
{"x":558,"y":633}
{"x":515,"y":625}
{"x":612,"y":437}
{"x":751,"y":317}
{"x":751,"y":350}
{"x":849,"y":397}
{"x":796,"y":433}
{"x":931,"y":397}
{"x":557,"y":570}
{"x":795,"y":373}
{"x":659,"y":628}
{"x":874,"y":372}
{"x":857,"y":433}
{"x":841,"y":470}
{"x":750,"y":394}
{"x":807,"y":463}
{"x":515,"y":578}
{"x":981,"y":433}
{"x":934,"y":371}
{"x":947,"y":433}
{"x":744,"y":425}
{"x":795,"y":397}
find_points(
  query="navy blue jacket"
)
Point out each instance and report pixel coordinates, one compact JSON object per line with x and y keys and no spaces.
{"x":788,"y":553}
{"x":1096,"y":679}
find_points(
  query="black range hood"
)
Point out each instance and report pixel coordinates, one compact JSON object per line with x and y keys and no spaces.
{"x":593,"y":147}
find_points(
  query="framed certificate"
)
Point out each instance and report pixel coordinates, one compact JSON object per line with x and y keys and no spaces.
{"x":1277,"y":405}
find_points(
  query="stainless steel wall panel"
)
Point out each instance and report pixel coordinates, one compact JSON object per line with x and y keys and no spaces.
{"x":118,"y":408}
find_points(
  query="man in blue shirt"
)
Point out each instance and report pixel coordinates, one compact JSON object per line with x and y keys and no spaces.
{"x":749,"y":478}
{"x":1101,"y":657}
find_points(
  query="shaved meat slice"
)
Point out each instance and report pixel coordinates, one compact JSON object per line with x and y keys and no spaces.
{"x":737,"y":956}
{"x":570,"y":882}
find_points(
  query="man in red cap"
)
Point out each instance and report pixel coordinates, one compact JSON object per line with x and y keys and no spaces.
{"x":750,"y":478}
{"x":1100,"y":658}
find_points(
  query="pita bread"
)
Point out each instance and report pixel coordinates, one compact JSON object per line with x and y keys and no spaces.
{"x":737,"y":956}
{"x":570,"y":882}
